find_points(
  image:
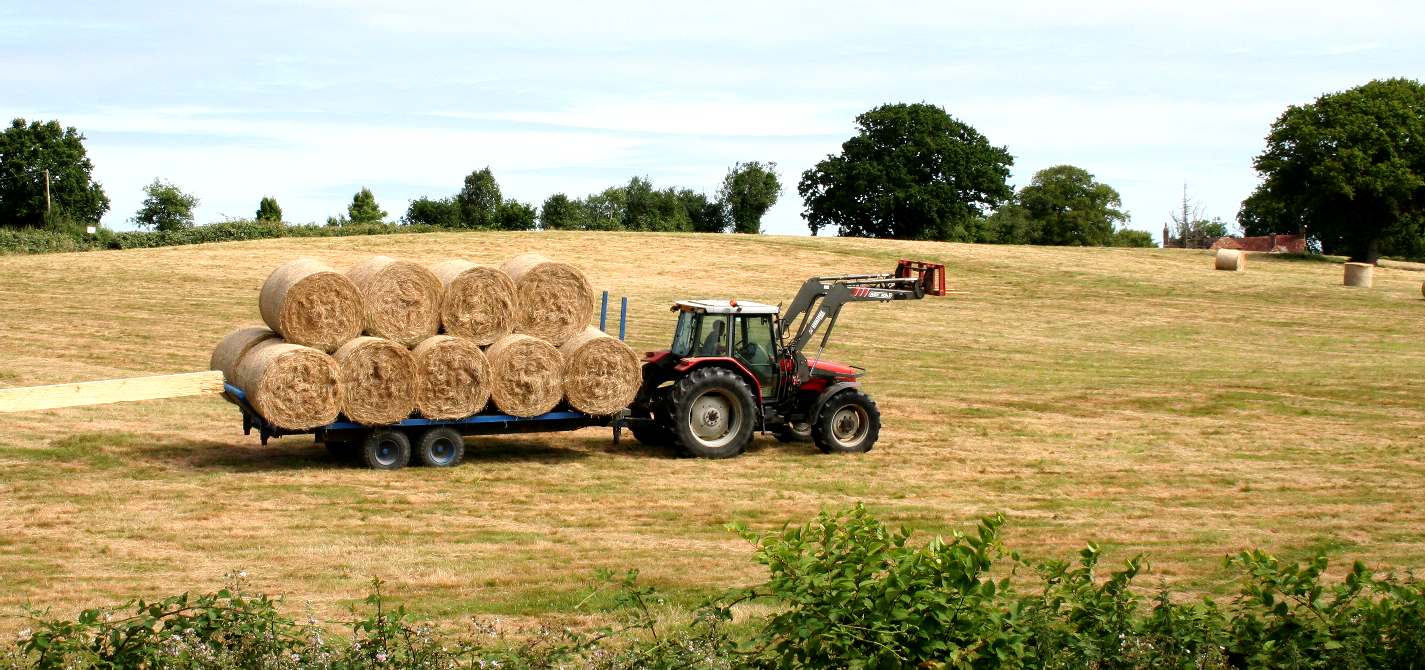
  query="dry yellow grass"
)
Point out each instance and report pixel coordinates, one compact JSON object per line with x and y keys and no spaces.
{"x":1136,"y":397}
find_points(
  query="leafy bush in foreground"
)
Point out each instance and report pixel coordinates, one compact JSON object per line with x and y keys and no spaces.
{"x":847,"y":592}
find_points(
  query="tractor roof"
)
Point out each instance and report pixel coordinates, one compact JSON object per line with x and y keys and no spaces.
{"x":725,"y":307}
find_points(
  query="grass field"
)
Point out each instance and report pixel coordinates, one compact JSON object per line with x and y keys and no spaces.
{"x":1134,"y":397}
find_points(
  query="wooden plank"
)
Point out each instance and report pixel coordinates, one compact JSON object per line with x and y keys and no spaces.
{"x":30,"y":398}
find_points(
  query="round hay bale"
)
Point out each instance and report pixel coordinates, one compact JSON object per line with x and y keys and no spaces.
{"x":525,"y":375}
{"x":234,"y":346}
{"x":292,"y":386}
{"x":1360,"y":274}
{"x":452,"y":378}
{"x":478,"y":301}
{"x":378,"y":381}
{"x":400,"y":300}
{"x":1231,"y":260}
{"x":601,"y":373}
{"x":310,"y":304}
{"x":552,"y":300}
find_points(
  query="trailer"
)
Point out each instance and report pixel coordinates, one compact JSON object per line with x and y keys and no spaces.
{"x":433,"y":442}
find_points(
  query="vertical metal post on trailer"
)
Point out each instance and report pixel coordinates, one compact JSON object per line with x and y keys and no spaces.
{"x":622,"y":316}
{"x":604,"y":313}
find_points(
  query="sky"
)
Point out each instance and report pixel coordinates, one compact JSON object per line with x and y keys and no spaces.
{"x":310,"y":100}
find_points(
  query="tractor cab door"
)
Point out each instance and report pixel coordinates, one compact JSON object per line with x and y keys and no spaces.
{"x":754,"y":345}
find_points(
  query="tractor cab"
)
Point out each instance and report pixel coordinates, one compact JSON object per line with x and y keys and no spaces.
{"x":743,"y":331}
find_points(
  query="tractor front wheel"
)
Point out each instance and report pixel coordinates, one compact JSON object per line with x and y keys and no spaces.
{"x":848,"y":423}
{"x":713,"y":413}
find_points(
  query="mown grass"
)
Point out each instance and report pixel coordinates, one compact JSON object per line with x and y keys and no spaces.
{"x":1134,"y":397}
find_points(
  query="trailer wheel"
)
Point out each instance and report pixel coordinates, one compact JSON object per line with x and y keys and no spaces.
{"x":848,"y":423}
{"x":386,"y":450}
{"x":440,"y":447}
{"x":713,"y":413}
{"x":651,"y":430}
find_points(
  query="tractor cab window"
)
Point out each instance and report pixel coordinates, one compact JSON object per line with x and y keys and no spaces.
{"x":753,"y":335}
{"x":711,"y":338}
{"x":683,"y":334}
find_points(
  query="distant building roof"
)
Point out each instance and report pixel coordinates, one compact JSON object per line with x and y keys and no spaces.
{"x":1292,"y":244}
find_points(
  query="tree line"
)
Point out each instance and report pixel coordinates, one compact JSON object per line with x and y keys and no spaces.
{"x":1347,"y":171}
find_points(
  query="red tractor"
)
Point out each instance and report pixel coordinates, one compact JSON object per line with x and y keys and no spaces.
{"x":736,"y":367}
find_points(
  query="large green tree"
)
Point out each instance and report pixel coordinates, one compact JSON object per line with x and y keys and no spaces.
{"x":911,"y":172}
{"x":26,"y":151}
{"x":748,"y":191}
{"x":165,"y":207}
{"x":1349,"y":168}
{"x":1071,"y":208}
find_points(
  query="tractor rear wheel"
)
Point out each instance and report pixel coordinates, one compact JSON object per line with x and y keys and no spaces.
{"x":713,"y":413}
{"x":848,"y":423}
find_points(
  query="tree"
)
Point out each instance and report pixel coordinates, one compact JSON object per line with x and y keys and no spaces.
{"x":704,"y":215}
{"x":1191,"y":229}
{"x":1071,"y":208}
{"x":166,"y":208}
{"x":1128,"y":237}
{"x":559,"y":212}
{"x":269,"y":210}
{"x":1010,"y":224}
{"x":514,"y":215}
{"x":748,"y":191}
{"x":911,"y":172}
{"x":444,"y":213}
{"x":479,"y":200}
{"x":26,"y":152}
{"x":1348,"y":168}
{"x":363,"y":208}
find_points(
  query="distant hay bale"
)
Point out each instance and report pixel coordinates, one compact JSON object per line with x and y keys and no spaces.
{"x":310,"y":304}
{"x":234,"y":346}
{"x":1360,"y":274}
{"x":525,"y":375}
{"x":601,"y":373}
{"x":478,"y":301}
{"x":291,"y":386}
{"x":1231,"y":260}
{"x":553,"y":300}
{"x":378,"y":381}
{"x":400,"y":300}
{"x":452,"y":378}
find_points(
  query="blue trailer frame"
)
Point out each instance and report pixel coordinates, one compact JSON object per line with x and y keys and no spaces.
{"x":484,"y":423}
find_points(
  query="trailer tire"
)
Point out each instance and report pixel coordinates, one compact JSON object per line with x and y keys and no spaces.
{"x":440,"y":447}
{"x":650,"y":429}
{"x":713,"y":413}
{"x":848,"y":423}
{"x":386,"y":450}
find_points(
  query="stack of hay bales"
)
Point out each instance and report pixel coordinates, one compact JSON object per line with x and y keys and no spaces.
{"x":389,"y":338}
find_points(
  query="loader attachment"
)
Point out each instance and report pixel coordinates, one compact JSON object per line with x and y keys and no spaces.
{"x":930,"y":277}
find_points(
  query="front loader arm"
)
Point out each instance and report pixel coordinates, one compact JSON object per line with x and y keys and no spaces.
{"x":820,"y":299}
